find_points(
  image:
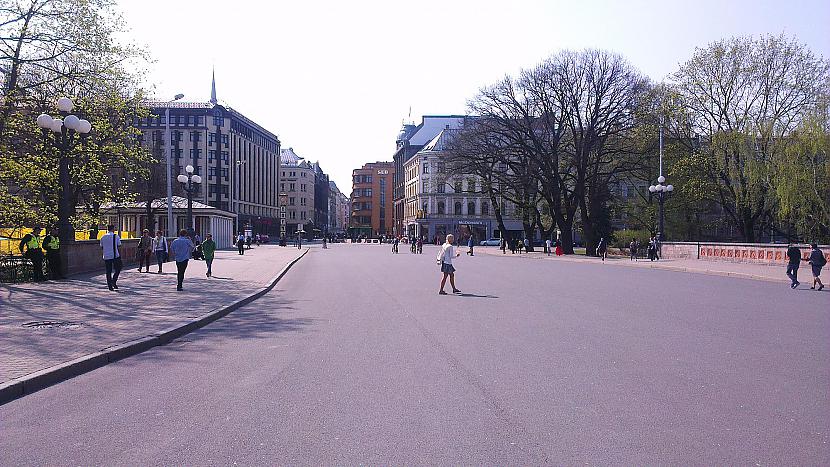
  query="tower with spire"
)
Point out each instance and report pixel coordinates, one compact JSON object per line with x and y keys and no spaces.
{"x":213,"y":88}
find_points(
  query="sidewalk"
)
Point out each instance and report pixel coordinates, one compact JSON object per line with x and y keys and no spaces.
{"x":743,"y":270}
{"x":47,"y":324}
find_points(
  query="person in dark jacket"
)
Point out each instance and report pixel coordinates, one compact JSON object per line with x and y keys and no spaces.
{"x":794,"y":260}
{"x":52,"y":245}
{"x":817,"y":261}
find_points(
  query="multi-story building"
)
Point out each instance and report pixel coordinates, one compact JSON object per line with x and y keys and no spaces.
{"x":297,"y":182}
{"x":411,"y":139}
{"x":338,"y":207}
{"x":321,"y":200}
{"x":372,"y":202}
{"x":437,"y":203}
{"x":237,"y":159}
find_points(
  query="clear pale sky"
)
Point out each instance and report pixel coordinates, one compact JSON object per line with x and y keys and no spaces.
{"x":335,"y":79}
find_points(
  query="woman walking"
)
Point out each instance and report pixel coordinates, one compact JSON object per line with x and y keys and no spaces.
{"x":558,"y":247}
{"x":444,"y":259}
{"x":817,"y":261}
{"x":144,"y":250}
{"x":160,"y":249}
{"x":208,"y":251}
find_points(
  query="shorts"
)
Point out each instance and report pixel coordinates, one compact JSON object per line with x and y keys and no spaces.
{"x":447,"y":268}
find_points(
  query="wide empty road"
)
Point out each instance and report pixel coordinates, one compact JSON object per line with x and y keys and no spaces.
{"x":355,"y":359}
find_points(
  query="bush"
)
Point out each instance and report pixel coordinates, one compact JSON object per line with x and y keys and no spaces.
{"x":621,"y":238}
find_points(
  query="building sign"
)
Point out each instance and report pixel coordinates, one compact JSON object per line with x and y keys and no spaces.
{"x":464,"y":222}
{"x":383,"y":172}
{"x":282,"y":214}
{"x":282,"y":223}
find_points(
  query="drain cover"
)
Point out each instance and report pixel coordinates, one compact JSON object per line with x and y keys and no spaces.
{"x":52,"y":324}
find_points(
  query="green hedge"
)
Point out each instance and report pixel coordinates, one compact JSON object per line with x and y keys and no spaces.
{"x":622,"y":238}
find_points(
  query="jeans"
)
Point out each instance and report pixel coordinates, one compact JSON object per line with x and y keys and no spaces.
{"x":792,"y":272}
{"x":209,"y":262}
{"x":159,"y":257}
{"x":180,"y":266}
{"x":113,"y":267}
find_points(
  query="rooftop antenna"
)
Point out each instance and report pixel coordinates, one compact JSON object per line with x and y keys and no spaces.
{"x":213,"y":87}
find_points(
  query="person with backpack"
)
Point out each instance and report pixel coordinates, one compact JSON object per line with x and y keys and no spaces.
{"x":816,"y":261}
{"x":602,"y":248}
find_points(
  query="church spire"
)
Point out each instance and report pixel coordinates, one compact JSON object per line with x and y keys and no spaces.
{"x":213,"y":88}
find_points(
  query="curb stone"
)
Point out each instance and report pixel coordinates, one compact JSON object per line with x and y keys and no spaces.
{"x":24,"y":385}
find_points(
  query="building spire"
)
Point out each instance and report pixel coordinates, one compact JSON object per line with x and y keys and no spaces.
{"x":213,"y":88}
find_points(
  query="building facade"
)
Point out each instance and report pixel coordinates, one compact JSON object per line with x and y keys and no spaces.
{"x":372,"y":201}
{"x":237,"y":159}
{"x":297,"y":183}
{"x":321,"y":200}
{"x":411,"y":139}
{"x":338,"y":210}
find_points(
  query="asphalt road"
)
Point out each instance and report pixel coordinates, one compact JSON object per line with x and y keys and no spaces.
{"x":355,"y":359}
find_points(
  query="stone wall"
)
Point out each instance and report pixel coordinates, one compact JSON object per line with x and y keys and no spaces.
{"x":759,"y":253}
{"x":86,"y":256}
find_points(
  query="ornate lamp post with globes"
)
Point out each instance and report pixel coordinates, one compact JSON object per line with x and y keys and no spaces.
{"x":64,"y":132}
{"x":661,"y":191}
{"x":190,"y":184}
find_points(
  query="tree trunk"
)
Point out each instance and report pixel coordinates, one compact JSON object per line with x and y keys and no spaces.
{"x":566,"y":238}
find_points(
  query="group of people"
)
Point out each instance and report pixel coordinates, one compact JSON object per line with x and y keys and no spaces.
{"x":652,"y":249}
{"x":31,"y":246}
{"x":816,"y":260}
{"x":184,"y":248}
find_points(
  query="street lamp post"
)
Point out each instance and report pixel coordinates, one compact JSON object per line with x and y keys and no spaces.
{"x":64,"y":131}
{"x":190,"y":184}
{"x":169,"y":150}
{"x":238,"y":188}
{"x":661,"y":191}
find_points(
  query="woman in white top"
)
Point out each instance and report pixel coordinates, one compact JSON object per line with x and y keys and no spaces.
{"x":445,"y":257}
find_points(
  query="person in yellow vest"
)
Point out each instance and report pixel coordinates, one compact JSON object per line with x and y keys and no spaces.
{"x":52,"y":245}
{"x":34,"y":253}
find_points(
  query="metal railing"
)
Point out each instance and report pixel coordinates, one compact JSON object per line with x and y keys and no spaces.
{"x":17,"y":269}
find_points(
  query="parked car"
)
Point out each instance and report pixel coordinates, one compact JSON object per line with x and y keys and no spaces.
{"x":490,"y":242}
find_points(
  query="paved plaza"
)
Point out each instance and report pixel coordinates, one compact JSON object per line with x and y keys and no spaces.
{"x":354,"y":358}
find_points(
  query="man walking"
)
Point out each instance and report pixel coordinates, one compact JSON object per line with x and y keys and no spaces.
{"x":240,"y":243}
{"x":632,"y":249}
{"x":547,"y":246}
{"x":34,"y":253}
{"x":52,"y":245}
{"x":470,"y":244}
{"x":602,"y":248}
{"x":181,"y":247}
{"x":209,"y":252}
{"x":144,"y":250}
{"x":110,"y":242}
{"x":794,"y":260}
{"x":817,"y":261}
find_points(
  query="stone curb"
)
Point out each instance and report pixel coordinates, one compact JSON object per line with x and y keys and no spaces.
{"x":24,"y":385}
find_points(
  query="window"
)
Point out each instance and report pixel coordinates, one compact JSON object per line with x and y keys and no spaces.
{"x":424,"y":187}
{"x":200,"y":120}
{"x":292,"y":215}
{"x":441,"y":188}
{"x":471,"y":186}
{"x":211,"y":138}
{"x":302,"y":187}
{"x":225,"y":140}
{"x":211,"y":155}
{"x":471,"y":209}
{"x":282,"y":186}
{"x":485,"y":208}
{"x":292,"y":187}
{"x":457,"y":186}
{"x":303,"y":174}
{"x":442,"y":168}
{"x":211,"y":172}
{"x":302,"y":215}
{"x":457,"y":208}
{"x":424,"y":209}
{"x":218,"y":120}
{"x":367,"y":179}
{"x":426,"y":168}
{"x":303,"y":201}
{"x":292,"y":201}
{"x":225,"y":172}
{"x":195,"y":136}
{"x":190,"y":120}
{"x":195,"y":154}
{"x":440,"y":207}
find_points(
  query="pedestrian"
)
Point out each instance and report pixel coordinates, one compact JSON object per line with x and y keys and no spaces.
{"x":159,"y":249}
{"x":420,"y":245}
{"x":209,"y":251}
{"x":324,"y":243}
{"x":144,"y":249}
{"x":470,"y":245}
{"x":52,"y":245}
{"x":182,"y":248}
{"x":558,"y":247}
{"x":512,"y":245}
{"x":259,"y":240}
{"x":652,"y":249}
{"x":527,"y":245}
{"x":33,"y":246}
{"x":794,"y":261}
{"x":444,"y":259}
{"x":817,"y":261}
{"x":503,"y":245}
{"x":395,"y":243}
{"x":248,"y":241}
{"x":547,"y":246}
{"x":632,"y":249}
{"x":240,"y":243}
{"x":110,"y":242}
{"x":602,"y":248}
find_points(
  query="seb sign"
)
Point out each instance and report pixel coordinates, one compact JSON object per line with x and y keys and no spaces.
{"x":383,"y":172}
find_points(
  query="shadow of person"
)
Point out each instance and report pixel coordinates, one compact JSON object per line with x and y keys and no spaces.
{"x":222,"y":278}
{"x":474,"y":295}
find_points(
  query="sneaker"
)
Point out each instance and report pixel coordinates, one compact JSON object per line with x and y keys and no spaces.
{"x":179,"y":289}
{"x":821,"y":286}
{"x":441,"y":292}
{"x":114,"y":286}
{"x":456,"y":290}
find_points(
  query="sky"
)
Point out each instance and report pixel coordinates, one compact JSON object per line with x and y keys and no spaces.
{"x":336,"y":79}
